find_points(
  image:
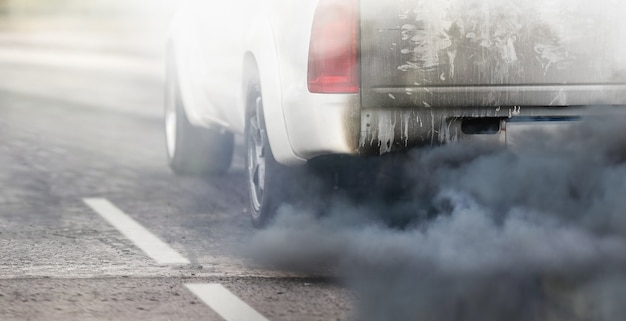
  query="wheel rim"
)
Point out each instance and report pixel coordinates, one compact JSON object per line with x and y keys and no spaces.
{"x":256,"y":162}
{"x":170,"y":117}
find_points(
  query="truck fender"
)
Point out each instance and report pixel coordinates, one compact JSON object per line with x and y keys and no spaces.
{"x":262,"y":47}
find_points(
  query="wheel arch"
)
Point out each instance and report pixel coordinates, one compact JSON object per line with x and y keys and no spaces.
{"x":176,"y":48}
{"x":191,"y":150}
{"x":262,"y":64}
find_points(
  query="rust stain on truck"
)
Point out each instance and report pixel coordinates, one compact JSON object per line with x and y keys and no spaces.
{"x":429,"y":65}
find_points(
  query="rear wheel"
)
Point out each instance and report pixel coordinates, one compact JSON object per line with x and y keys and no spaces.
{"x":265,"y":175}
{"x":192,"y":150}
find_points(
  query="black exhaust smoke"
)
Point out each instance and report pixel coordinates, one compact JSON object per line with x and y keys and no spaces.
{"x":536,"y":233}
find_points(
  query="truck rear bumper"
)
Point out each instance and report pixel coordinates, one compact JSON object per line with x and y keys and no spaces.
{"x":327,"y":124}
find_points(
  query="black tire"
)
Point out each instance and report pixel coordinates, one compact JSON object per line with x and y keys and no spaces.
{"x":192,"y":150}
{"x":266,"y":177}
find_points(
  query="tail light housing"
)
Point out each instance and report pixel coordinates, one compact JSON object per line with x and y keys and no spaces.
{"x":333,"y":50}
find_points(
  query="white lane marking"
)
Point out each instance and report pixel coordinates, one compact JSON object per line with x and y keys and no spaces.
{"x":224,"y":303}
{"x":146,"y":241}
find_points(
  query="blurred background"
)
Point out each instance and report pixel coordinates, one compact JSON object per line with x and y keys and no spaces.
{"x":98,"y":24}
{"x":98,"y":53}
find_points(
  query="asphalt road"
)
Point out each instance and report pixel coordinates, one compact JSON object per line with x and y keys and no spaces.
{"x":69,"y":133}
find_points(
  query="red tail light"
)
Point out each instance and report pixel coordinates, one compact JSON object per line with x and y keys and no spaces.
{"x":333,"y":51}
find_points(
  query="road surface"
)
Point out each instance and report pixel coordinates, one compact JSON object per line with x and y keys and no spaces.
{"x":81,"y":126}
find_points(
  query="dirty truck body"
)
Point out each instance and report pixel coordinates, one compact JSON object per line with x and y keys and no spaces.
{"x":367,"y":77}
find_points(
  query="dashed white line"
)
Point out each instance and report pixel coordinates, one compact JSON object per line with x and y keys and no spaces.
{"x":224,"y":303}
{"x":216,"y":296}
{"x":146,"y":241}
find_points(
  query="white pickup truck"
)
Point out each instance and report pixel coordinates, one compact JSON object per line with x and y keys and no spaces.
{"x":307,"y":78}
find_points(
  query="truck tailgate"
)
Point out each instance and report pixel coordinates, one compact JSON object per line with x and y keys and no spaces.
{"x":470,"y":53}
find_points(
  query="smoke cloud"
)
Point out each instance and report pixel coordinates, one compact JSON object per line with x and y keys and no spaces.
{"x":477,"y":232}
